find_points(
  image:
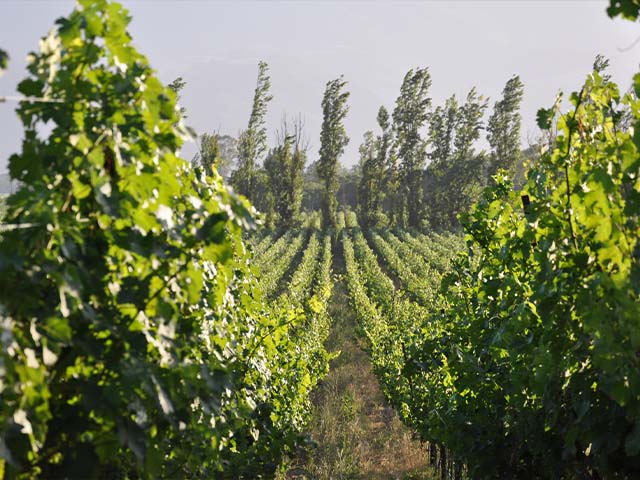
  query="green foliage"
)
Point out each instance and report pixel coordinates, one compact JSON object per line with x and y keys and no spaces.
{"x":431,"y":249}
{"x":295,"y":183}
{"x":629,"y":9}
{"x":340,"y":222}
{"x":545,"y":117}
{"x":209,"y":155}
{"x":216,"y":151}
{"x":310,"y":288}
{"x":503,"y":128}
{"x":312,"y":190}
{"x":135,"y":342}
{"x":418,"y":285}
{"x":284,"y":167}
{"x":333,"y":139}
{"x":305,"y":361}
{"x":261,"y":245}
{"x":369,"y":319}
{"x":176,"y":86}
{"x":454,"y":177}
{"x":252,"y":143}
{"x":369,"y":187}
{"x":390,"y":324}
{"x":526,"y":365}
{"x":531,"y":367}
{"x":443,"y":121}
{"x":273,"y":251}
{"x":377,"y":283}
{"x":301,"y":280}
{"x":409,"y":116}
{"x":273,"y":271}
{"x":4,"y":61}
{"x":263,"y":198}
{"x":374,"y":158}
{"x":348,"y":182}
{"x":469,"y":124}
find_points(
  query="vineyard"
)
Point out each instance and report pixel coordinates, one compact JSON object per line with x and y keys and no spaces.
{"x":155,"y":324}
{"x":295,"y":270}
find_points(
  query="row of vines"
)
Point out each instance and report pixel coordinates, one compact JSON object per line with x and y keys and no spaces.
{"x":393,"y":318}
{"x":523,"y":360}
{"x":136,"y":340}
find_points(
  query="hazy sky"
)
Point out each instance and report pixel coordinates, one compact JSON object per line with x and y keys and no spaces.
{"x":216,"y":46}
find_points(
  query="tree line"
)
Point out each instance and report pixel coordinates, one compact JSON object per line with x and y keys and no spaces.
{"x":421,"y":168}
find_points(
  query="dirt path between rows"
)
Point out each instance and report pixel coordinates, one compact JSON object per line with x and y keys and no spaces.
{"x":356,"y":433}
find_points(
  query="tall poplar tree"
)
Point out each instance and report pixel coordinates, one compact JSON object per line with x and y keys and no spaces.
{"x":454,"y":176}
{"x":443,"y":122}
{"x":216,"y":152}
{"x":209,"y":153}
{"x":442,"y":128}
{"x":409,"y":116}
{"x":469,"y":124}
{"x":367,"y":188}
{"x":384,"y":139}
{"x":284,"y":167}
{"x":252,"y":142}
{"x":374,"y":157}
{"x":177,"y":85}
{"x":295,"y":178}
{"x":333,"y":139}
{"x":503,"y":129}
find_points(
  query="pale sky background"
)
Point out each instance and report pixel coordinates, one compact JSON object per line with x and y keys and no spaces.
{"x":216,"y":46}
